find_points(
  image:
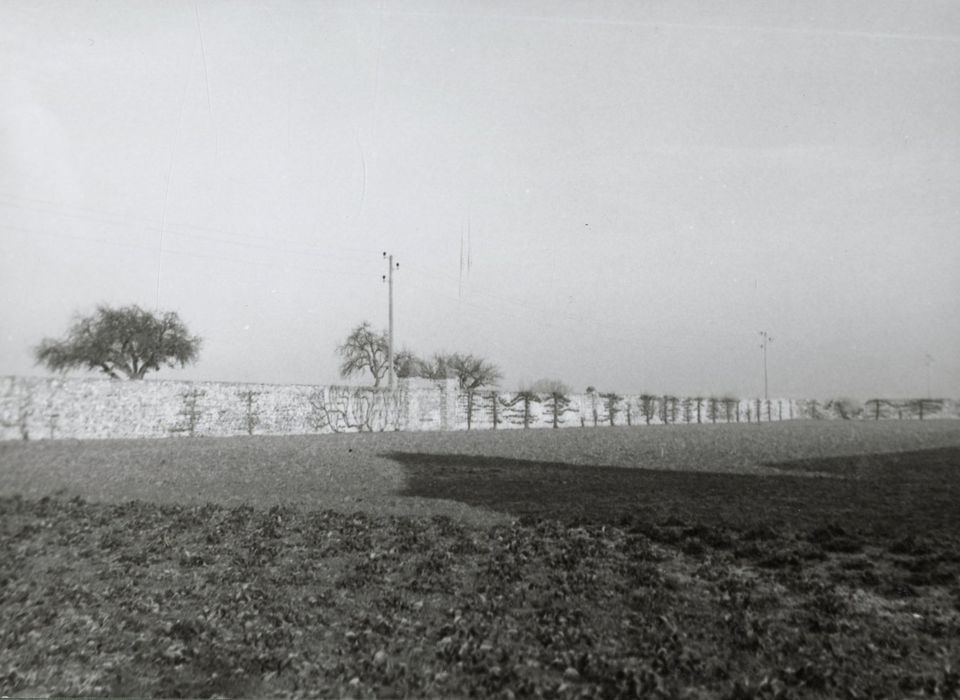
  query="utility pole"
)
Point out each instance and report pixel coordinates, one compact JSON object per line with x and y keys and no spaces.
{"x":388,"y":278}
{"x":766,"y":340}
{"x":928,"y":360}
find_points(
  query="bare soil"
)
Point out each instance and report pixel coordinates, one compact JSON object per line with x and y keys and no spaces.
{"x":810,"y":560}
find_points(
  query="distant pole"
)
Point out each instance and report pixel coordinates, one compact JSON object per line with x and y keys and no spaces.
{"x":928,"y":360}
{"x":389,"y":279}
{"x":765,"y":340}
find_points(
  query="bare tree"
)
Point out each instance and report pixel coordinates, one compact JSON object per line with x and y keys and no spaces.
{"x":406,"y":364}
{"x":191,"y":411}
{"x":592,"y":393}
{"x":364,"y":350}
{"x":436,"y":366}
{"x":473,"y":372}
{"x":686,"y":406}
{"x":648,"y":407}
{"x":495,"y":404}
{"x":526,"y":398}
{"x":844,"y":408}
{"x":549,"y":386}
{"x":731,"y":407}
{"x":557,"y":405}
{"x":613,"y":406}
{"x":877,"y":406}
{"x":555,"y":394}
{"x":251,"y":415}
{"x":468,"y":395}
{"x":126,"y":340}
{"x":713,"y":409}
{"x":927,"y":407}
{"x":671,"y":406}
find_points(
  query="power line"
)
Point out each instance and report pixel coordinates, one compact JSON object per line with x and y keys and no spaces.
{"x":499,"y":314}
{"x":496,"y":316}
{"x":660,"y":25}
{"x":183,"y":253}
{"x":300,"y":251}
{"x":535,"y":319}
{"x":538,"y":311}
{"x":168,"y":178}
{"x":38,"y":232}
{"x":101,"y":216}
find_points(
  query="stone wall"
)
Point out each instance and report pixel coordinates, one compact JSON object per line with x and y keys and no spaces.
{"x":479,"y":410}
{"x":50,"y":408}
{"x":34,"y":408}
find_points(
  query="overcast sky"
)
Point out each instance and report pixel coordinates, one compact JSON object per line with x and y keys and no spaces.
{"x":646,"y":185}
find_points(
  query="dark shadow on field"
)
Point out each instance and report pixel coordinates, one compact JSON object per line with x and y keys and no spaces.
{"x":919,"y":464}
{"x":896,"y":493}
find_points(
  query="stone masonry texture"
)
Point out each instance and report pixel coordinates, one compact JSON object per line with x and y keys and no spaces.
{"x":33,"y":408}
